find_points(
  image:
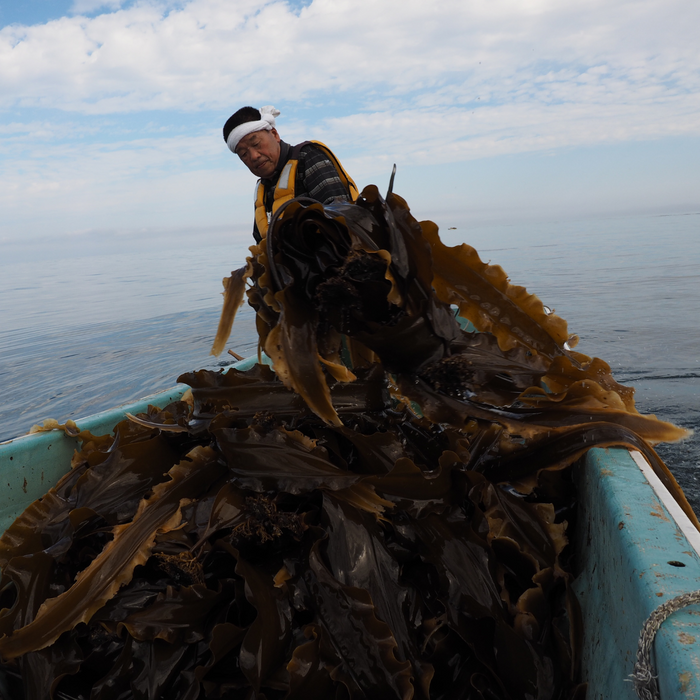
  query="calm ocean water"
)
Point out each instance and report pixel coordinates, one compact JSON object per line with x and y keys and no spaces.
{"x":81,"y":333}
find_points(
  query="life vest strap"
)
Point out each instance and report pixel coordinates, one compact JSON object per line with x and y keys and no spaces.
{"x":286,"y":184}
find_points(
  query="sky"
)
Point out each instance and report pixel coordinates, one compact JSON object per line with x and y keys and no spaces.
{"x":493,"y":110}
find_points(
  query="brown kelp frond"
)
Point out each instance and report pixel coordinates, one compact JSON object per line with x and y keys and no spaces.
{"x":69,"y":427}
{"x":564,"y":372}
{"x":355,"y":633}
{"x":485,"y":296}
{"x":279,"y":459}
{"x":234,"y":288}
{"x":24,"y":535}
{"x":114,"y":567}
{"x":293,"y":348}
{"x":319,"y":264}
{"x":363,"y":497}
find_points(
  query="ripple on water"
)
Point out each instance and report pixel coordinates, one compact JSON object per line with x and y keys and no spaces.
{"x":98,"y":366}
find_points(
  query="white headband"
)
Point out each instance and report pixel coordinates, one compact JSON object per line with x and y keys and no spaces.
{"x":267,"y":122}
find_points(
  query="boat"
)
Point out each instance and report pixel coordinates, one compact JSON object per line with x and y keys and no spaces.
{"x":635,"y":544}
{"x":636,"y":550}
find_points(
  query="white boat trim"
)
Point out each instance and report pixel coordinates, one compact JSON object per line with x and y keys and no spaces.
{"x":675,"y":511}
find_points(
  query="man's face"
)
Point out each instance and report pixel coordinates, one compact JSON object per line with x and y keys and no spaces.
{"x":260,"y":151}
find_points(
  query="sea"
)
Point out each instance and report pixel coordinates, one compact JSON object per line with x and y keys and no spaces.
{"x":83,"y":329}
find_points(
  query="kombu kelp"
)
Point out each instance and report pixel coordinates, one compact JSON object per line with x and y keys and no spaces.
{"x":385,"y":515}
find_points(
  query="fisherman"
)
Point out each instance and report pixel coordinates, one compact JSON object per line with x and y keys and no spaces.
{"x":308,"y":169}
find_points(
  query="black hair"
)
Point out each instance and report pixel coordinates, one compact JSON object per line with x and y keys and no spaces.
{"x":243,"y":115}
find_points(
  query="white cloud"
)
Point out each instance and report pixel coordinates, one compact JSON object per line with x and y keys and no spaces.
{"x":152,"y":57}
{"x":61,"y":189}
{"x":510,"y":75}
{"x":421,"y":83}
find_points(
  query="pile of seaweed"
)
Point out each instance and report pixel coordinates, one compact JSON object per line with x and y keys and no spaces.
{"x":386,"y":515}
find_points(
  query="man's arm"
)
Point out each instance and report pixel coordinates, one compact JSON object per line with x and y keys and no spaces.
{"x":319,"y":177}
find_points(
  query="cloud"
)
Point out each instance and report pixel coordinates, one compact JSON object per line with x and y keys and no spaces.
{"x":90,"y":6}
{"x":402,"y":81}
{"x":49,"y":188}
{"x":150,"y":56}
{"x":496,"y":75}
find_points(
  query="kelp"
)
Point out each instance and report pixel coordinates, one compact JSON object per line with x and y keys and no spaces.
{"x":387,"y":514}
{"x":373,"y":273}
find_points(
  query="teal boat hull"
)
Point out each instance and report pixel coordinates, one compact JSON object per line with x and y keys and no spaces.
{"x":634,"y":546}
{"x":635,"y":549}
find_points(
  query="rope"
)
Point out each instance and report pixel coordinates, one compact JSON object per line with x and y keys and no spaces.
{"x":643,"y":677}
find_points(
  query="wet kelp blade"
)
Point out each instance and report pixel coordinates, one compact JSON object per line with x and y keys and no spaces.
{"x":411,"y":330}
{"x":282,"y":530}
{"x":234,"y":289}
{"x":130,"y":547}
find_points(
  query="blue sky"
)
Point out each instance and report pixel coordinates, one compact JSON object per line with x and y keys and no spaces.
{"x":494,"y":110}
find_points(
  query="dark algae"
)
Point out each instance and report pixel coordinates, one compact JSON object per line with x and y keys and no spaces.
{"x":385,"y":515}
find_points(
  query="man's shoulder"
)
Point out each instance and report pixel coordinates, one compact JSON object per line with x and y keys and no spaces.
{"x":320,"y":175}
{"x":306,"y":148}
{"x":313,"y":155}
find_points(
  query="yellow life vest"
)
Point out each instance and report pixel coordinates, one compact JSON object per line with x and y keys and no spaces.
{"x":284,"y":190}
